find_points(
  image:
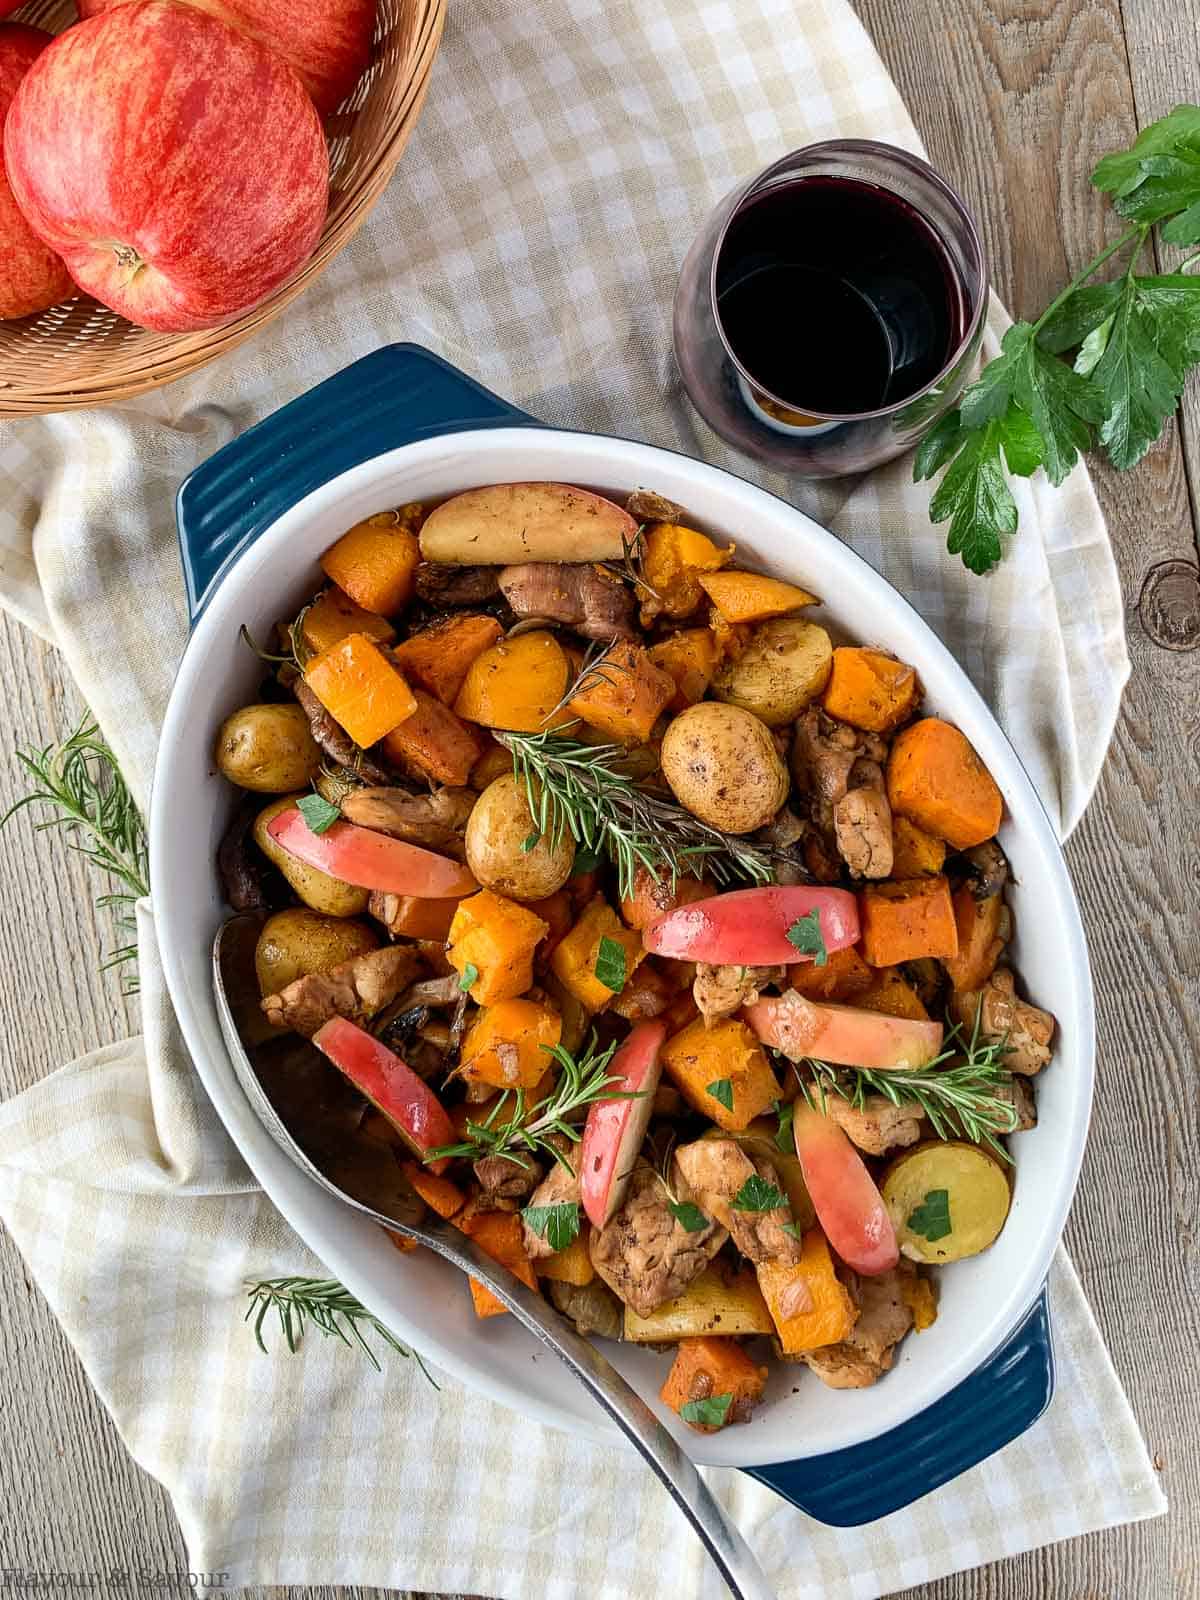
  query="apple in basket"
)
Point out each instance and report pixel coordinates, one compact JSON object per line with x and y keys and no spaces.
{"x":32,"y":277}
{"x":7,"y":7}
{"x":327,"y":43}
{"x":177,"y":166}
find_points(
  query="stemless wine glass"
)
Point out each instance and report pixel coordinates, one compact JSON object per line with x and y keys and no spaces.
{"x":771,"y":319}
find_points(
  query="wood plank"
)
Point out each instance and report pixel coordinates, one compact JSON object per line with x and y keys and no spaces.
{"x":1048,"y":88}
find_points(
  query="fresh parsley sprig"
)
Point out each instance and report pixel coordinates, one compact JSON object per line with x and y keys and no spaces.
{"x":579,"y":789}
{"x":557,"y":1224}
{"x":513,"y":1128}
{"x":1135,"y":338}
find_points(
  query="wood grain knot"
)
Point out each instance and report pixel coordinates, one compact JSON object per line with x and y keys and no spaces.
{"x":1170,"y":605}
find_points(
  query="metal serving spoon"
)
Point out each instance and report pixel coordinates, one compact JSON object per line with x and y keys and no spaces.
{"x":603,"y":1382}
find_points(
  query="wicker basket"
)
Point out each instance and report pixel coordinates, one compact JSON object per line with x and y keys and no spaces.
{"x":82,"y":354}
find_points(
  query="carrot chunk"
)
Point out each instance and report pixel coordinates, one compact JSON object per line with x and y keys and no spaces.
{"x":437,"y":658}
{"x":433,"y":743}
{"x":980,"y":942}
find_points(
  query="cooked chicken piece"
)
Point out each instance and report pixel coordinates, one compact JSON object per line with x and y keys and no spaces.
{"x":988,"y":869}
{"x":503,"y":1182}
{"x":558,"y":1188}
{"x":786,"y":836}
{"x":433,"y":991}
{"x":592,"y":1307}
{"x":862,"y":826}
{"x":440,"y":584}
{"x":647,"y":506}
{"x":714,"y":1171}
{"x":1003,"y":1015}
{"x":418,"y":1037}
{"x":356,"y":989}
{"x":1018,"y":1092}
{"x":434,"y":820}
{"x":884,"y":1318}
{"x":645,"y":1254}
{"x":585,"y":597}
{"x":240,"y":867}
{"x":879,"y":1126}
{"x":334,"y":740}
{"x":824,"y":753}
{"x":720,"y":991}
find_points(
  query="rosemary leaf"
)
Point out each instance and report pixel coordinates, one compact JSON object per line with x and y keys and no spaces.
{"x":328,"y":1306}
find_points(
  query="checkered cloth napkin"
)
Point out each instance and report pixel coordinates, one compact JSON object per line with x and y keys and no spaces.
{"x":532,"y":235}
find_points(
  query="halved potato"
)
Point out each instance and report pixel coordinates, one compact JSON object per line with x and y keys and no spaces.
{"x":946,"y":1185}
{"x":785,"y":665}
{"x":510,"y":522}
{"x":299,"y":940}
{"x":720,"y":1300}
{"x":316,"y":888}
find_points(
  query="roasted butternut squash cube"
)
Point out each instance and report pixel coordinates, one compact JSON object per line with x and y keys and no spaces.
{"x":360,"y":688}
{"x":710,"y":1369}
{"x":891,"y":994}
{"x":497,"y":937}
{"x":809,"y":1304}
{"x":752,"y":597}
{"x":624,"y":694}
{"x":573,"y":962}
{"x":333,"y":615}
{"x":690,"y":659}
{"x":722,"y":1072}
{"x":437,"y":658}
{"x":844,"y":976}
{"x":915,"y":853}
{"x":375,"y":562}
{"x":515,"y":684}
{"x":674,"y":558}
{"x":433,"y":744}
{"x":572,"y":1265}
{"x":499,"y":1233}
{"x":905,"y":920}
{"x":507,"y":1046}
{"x":870,"y":690}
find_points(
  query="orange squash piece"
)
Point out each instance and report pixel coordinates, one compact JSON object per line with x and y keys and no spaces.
{"x":574,"y":960}
{"x":915,"y":853}
{"x":689,"y":658}
{"x":699,"y":1057}
{"x":499,"y":1233}
{"x":555,"y":910}
{"x":751,"y":597}
{"x":507,"y":1044}
{"x":437,"y":658}
{"x":919,"y":1296}
{"x":438,"y":1193}
{"x":905,"y":920}
{"x":935,"y":779}
{"x":360,"y":688}
{"x":333,"y":615}
{"x":623,"y":696}
{"x":842,"y":979}
{"x":497,"y":937}
{"x":515,"y":684}
{"x":572,"y":1265}
{"x":979,"y":942}
{"x":423,"y":919}
{"x":375,"y":562}
{"x":434,"y":744}
{"x":674,"y":558}
{"x":706,"y":1368}
{"x":809,"y":1304}
{"x":870,"y":690}
{"x":653,"y":897}
{"x":891,"y":994}
{"x":402,"y":1242}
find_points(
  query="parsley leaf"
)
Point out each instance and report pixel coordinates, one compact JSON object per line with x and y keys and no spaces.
{"x":530,"y":842}
{"x":558,"y":1225}
{"x":805,"y":933}
{"x":786,"y":1110}
{"x":792,"y":1228}
{"x":1078,"y":316}
{"x":1159,"y":174}
{"x":318,"y":812}
{"x":708,"y":1413}
{"x":687,"y":1215}
{"x":470,"y":975}
{"x":1140,"y":385}
{"x":610,"y":964}
{"x":756,"y":1194}
{"x":721,"y":1090}
{"x":976,"y":499}
{"x":931,"y":1219}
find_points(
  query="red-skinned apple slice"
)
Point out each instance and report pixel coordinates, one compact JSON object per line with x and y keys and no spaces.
{"x":509,"y":523}
{"x":844,"y":1035}
{"x":391,"y":1086}
{"x":748,"y":927}
{"x":849,"y":1207}
{"x":371,"y":860}
{"x":613,"y":1133}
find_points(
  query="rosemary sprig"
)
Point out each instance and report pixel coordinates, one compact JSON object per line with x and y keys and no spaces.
{"x":80,"y":781}
{"x":597,"y":666}
{"x":328,"y":1306}
{"x":524,"y":1127}
{"x":959,"y":1100}
{"x":629,"y":568}
{"x":577,"y":788}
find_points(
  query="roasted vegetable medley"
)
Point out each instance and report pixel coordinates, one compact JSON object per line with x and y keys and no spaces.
{"x":658,"y":936}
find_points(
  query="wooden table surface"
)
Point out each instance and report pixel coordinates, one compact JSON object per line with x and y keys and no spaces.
{"x":1016,"y":100}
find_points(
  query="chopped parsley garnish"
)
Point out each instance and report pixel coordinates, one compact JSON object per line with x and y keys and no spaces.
{"x":470,"y":975}
{"x":756,"y":1194}
{"x":558,"y":1225}
{"x":712,"y":1413}
{"x":931,"y":1219}
{"x":318,"y":812}
{"x":805,"y":933}
{"x":610,"y":964}
{"x":687,"y":1215}
{"x":721,"y":1090}
{"x":786,"y":1110}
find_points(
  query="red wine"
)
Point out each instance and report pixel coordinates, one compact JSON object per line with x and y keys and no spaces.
{"x":838,"y":296}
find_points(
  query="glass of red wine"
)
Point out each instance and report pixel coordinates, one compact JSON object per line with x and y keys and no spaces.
{"x":832,"y":308}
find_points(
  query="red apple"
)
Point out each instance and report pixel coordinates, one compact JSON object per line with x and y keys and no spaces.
{"x":849,"y":1207}
{"x":613,"y":1133}
{"x":391,"y":1086}
{"x":844,"y":1035}
{"x":7,"y":7}
{"x":177,"y":166}
{"x":371,"y":860}
{"x":32,"y":277}
{"x":327,"y":43}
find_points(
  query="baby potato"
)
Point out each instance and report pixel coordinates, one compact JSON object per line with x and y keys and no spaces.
{"x":298,"y":941}
{"x":499,"y":831}
{"x":722,"y":765}
{"x":269,"y":749}
{"x":947,"y":1200}
{"x":785,"y":664}
{"x":316,"y":888}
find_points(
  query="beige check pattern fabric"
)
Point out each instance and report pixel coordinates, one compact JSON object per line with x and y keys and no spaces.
{"x":532,"y":235}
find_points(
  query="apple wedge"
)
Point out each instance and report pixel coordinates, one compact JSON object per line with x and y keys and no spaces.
{"x":842,"y":1035}
{"x":749,"y":927}
{"x":371,"y":860}
{"x":849,"y":1207}
{"x":517,"y":522}
{"x":613,"y":1133}
{"x":391,"y":1086}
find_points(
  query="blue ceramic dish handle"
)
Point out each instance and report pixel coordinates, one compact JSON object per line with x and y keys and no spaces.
{"x":392,"y":397}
